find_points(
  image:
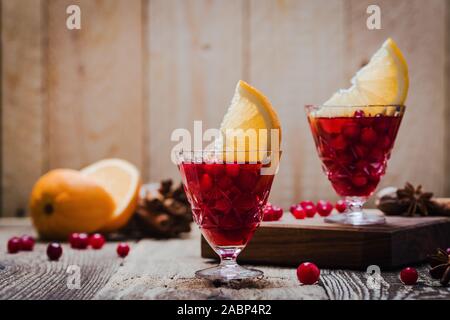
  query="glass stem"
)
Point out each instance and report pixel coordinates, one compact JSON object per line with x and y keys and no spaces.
{"x":228,"y":256}
{"x":354,"y":206}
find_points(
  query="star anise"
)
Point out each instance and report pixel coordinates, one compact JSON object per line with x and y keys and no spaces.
{"x":419,"y":201}
{"x":408,"y":201}
{"x":440,"y":266}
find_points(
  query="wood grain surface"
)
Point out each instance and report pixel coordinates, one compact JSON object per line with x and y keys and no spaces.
{"x":140,"y":68}
{"x":401,"y":241}
{"x":164,"y":269}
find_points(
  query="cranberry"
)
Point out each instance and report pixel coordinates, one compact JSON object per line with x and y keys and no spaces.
{"x":83,"y":241}
{"x":376,"y":155}
{"x":214,"y":169}
{"x":338,"y":143}
{"x":360,"y":151}
{"x":224,"y":205}
{"x":74,"y":240}
{"x":308,"y":273}
{"x":277,"y":212}
{"x":298,"y":212}
{"x":409,"y":276}
{"x":306,"y":203}
{"x":96,"y":241}
{"x":351,"y":130}
{"x":324,"y":208}
{"x":272,"y":213}
{"x":206,"y":182}
{"x":244,"y":202}
{"x":267,"y":214}
{"x":384,"y":143}
{"x":359,"y":179}
{"x":27,"y":243}
{"x":381,"y":125}
{"x":359,"y":114}
{"x":232,"y":169}
{"x":14,"y":245}
{"x":54,"y":251}
{"x":225,"y":182}
{"x":341,"y":206}
{"x":123,"y":249}
{"x":310,"y":210}
{"x":247,"y":181}
{"x":344,"y":159}
{"x":363,"y":166}
{"x":448,"y":251}
{"x":368,"y":136}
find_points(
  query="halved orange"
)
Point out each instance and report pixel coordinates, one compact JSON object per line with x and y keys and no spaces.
{"x":121,"y":180}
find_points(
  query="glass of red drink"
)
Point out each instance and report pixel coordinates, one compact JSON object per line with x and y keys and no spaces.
{"x":227,"y":197}
{"x":354,"y":144}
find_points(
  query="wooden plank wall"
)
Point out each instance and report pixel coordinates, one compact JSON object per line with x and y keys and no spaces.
{"x":23,"y":145}
{"x":140,"y":68}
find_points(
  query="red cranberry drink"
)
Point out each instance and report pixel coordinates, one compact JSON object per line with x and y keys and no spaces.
{"x":354,"y":146}
{"x":227,"y":200}
{"x":354,"y":150}
{"x":355,"y":130}
{"x":228,"y":186}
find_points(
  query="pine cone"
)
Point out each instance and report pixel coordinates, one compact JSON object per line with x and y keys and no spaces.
{"x":162,"y":212}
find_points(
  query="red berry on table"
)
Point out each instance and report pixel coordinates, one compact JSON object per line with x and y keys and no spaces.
{"x":96,"y":241}
{"x":306,"y":203}
{"x":123,"y":249}
{"x":277,"y":213}
{"x":79,"y":240}
{"x":27,"y":243}
{"x":298,"y":212}
{"x":308,"y":273}
{"x":14,"y":245}
{"x":310,"y":210}
{"x":448,"y":251}
{"x":74,"y":239}
{"x":271,"y":212}
{"x":267,"y":214}
{"x":409,"y":276}
{"x":83,"y":241}
{"x":324,"y":208}
{"x":341,"y":206}
{"x":54,"y":251}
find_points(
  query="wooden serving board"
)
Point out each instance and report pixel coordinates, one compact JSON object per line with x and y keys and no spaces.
{"x":288,"y":242}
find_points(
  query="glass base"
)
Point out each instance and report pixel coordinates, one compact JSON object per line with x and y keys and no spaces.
{"x":224,"y":272}
{"x":356,"y":219}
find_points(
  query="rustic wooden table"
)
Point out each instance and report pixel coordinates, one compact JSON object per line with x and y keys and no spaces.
{"x":163,"y":269}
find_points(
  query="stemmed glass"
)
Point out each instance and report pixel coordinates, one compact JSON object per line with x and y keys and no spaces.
{"x":227,"y":197}
{"x":354,"y":144}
